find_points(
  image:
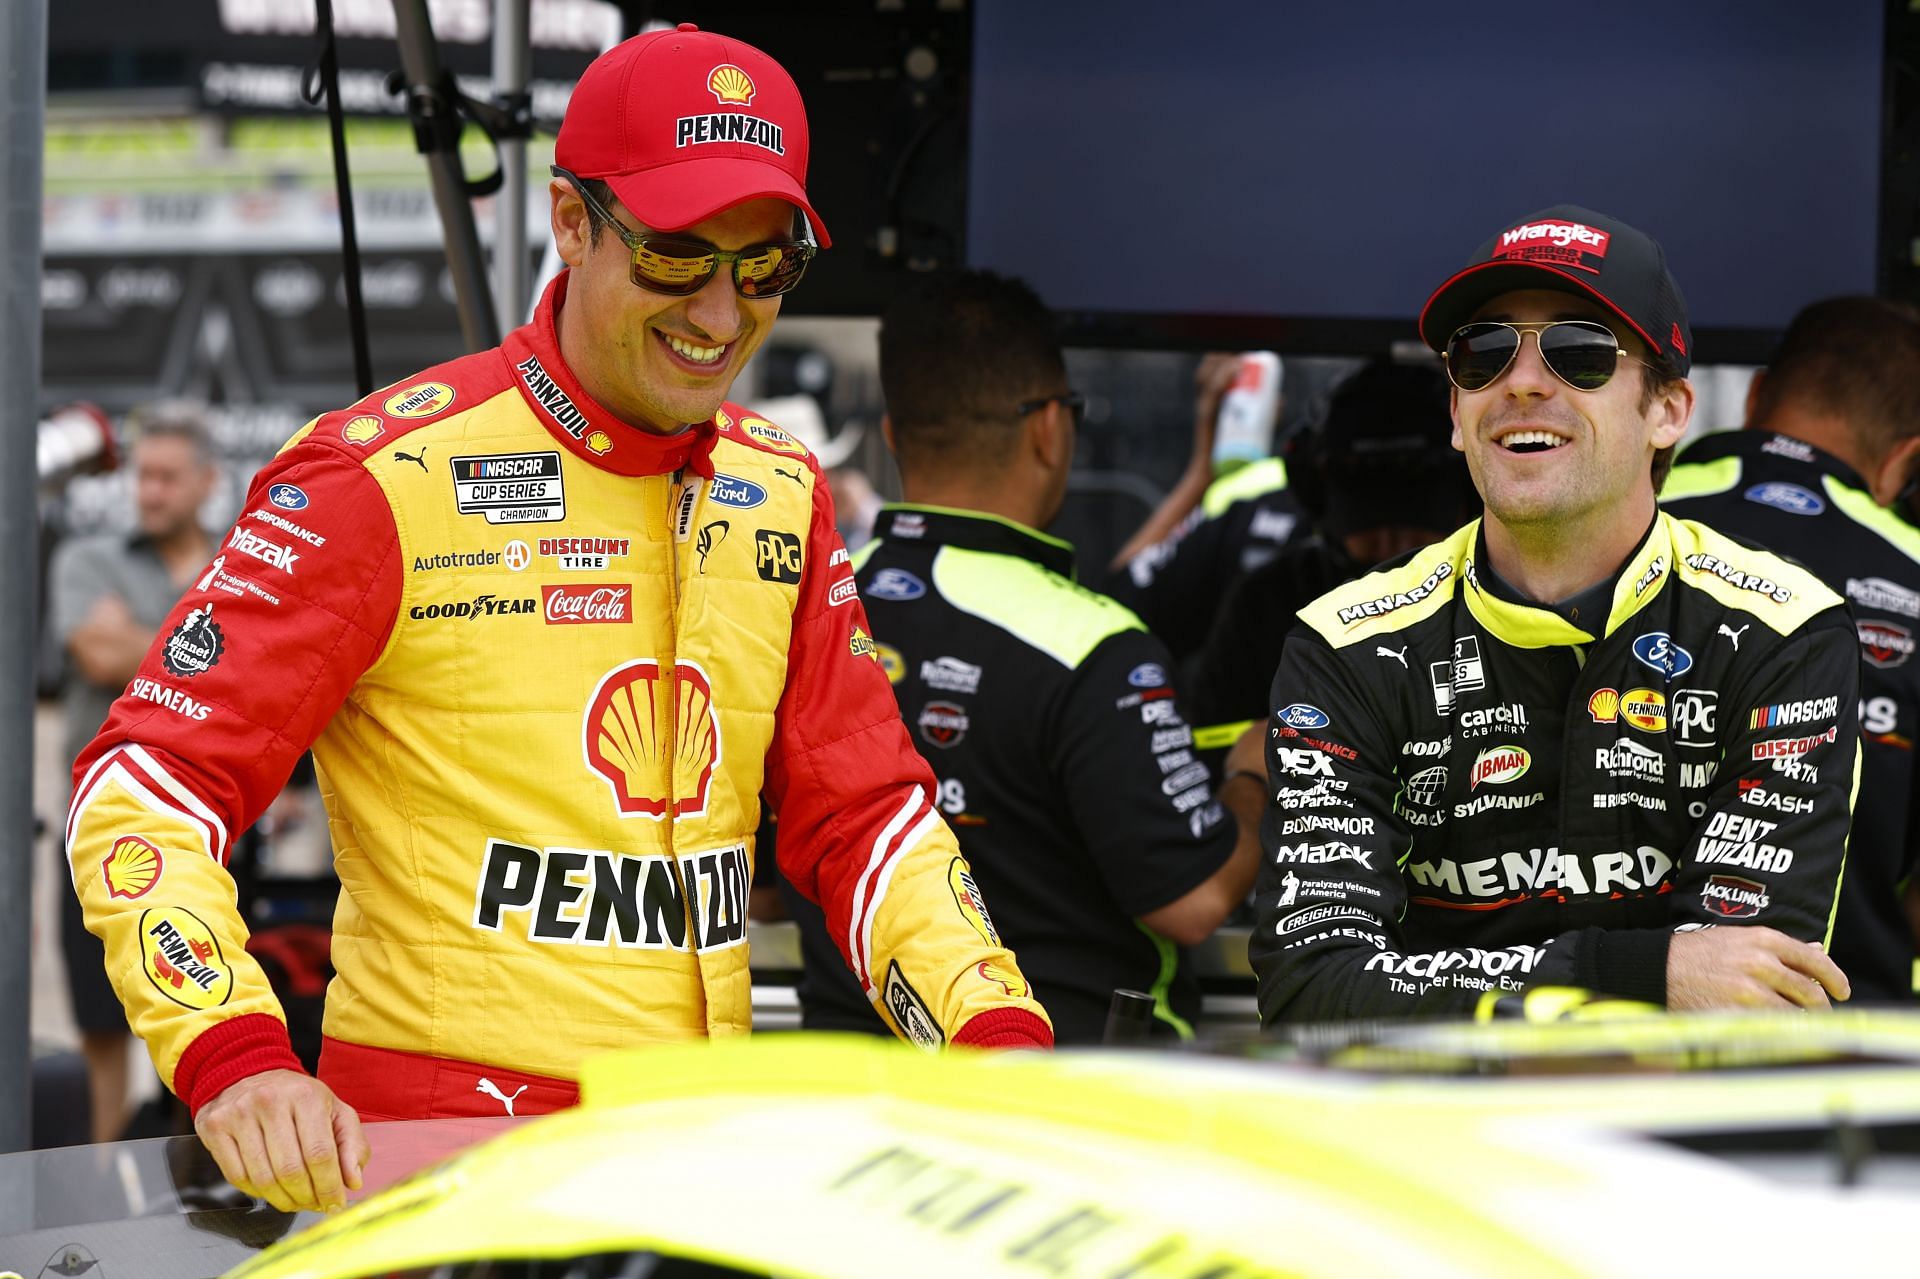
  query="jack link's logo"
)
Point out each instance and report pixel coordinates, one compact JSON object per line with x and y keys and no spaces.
{"x":634,"y":719}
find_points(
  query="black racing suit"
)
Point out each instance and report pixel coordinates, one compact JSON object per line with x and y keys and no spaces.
{"x":1472,"y":794}
{"x":1064,"y":765}
{"x":1792,"y":498}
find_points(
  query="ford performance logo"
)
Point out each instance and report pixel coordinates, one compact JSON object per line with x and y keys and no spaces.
{"x":1300,"y":715}
{"x":742,"y":495}
{"x":288,"y":497}
{"x":1790,"y":498}
{"x":895,"y":584}
{"x":1658,"y":650}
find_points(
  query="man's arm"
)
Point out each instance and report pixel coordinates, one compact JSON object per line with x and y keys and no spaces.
{"x":88,"y":616}
{"x":860,"y":836}
{"x":245,"y":673}
{"x":1211,"y":381}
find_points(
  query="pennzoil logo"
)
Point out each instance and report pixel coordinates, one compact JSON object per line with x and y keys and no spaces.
{"x":772,"y":436}
{"x":422,"y":400}
{"x":1645,"y":709}
{"x":182,"y":958}
{"x":363,"y":429}
{"x":625,"y":738}
{"x":730,"y":86}
{"x":966,"y":895}
{"x":891,"y":662}
{"x":131,"y":868}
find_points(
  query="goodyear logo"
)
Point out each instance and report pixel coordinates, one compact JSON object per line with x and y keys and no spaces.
{"x":131,"y":868}
{"x":730,"y":86}
{"x":423,"y":400}
{"x":182,"y":958}
{"x":772,"y":436}
{"x":1645,"y":709}
{"x":363,"y":429}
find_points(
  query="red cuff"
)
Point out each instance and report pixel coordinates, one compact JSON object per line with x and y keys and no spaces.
{"x":1005,"y":1028}
{"x":228,"y":1053}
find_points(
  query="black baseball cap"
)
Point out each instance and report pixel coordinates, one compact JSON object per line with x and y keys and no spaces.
{"x":1578,"y":251}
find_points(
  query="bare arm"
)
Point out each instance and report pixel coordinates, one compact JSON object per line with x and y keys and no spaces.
{"x":1191,"y":919}
{"x":1210,"y":380}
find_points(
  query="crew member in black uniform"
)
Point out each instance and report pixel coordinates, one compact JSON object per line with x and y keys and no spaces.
{"x":1580,"y":742}
{"x":1832,"y":441}
{"x":1046,"y":710}
{"x":1379,"y":479}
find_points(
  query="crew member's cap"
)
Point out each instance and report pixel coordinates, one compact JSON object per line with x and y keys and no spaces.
{"x":683,"y":124}
{"x":1578,"y":251}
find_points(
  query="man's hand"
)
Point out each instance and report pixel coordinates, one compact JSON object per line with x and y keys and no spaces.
{"x":284,"y":1137}
{"x":1211,"y":382}
{"x":1750,"y":967}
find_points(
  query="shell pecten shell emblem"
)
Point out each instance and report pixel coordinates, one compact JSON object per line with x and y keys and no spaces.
{"x":600,"y":442}
{"x":363,"y":429}
{"x":730,"y":86}
{"x":131,"y":868}
{"x":625,"y":742}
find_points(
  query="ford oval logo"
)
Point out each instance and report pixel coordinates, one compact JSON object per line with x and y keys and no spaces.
{"x":731,"y":490}
{"x":288,"y":497}
{"x":1790,"y":498}
{"x":1147,"y":675}
{"x":1658,"y":650}
{"x":1300,"y":715}
{"x":895,"y":584}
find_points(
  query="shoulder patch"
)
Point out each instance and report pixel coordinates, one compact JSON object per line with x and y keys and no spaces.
{"x":1779,"y":593}
{"x":1061,"y":618}
{"x":1392,"y":599}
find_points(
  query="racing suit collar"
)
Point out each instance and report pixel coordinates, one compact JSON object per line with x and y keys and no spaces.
{"x":581,"y":424}
{"x":1789,"y":449}
{"x":973,"y":531}
{"x":1525,"y":624}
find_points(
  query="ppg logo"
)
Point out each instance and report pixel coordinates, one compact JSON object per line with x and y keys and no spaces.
{"x":777,"y":555}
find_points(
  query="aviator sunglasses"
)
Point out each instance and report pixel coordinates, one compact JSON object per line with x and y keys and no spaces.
{"x":679,"y":265}
{"x":1581,"y":353}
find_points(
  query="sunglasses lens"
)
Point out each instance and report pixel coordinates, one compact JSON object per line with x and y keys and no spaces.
{"x":1584,"y":356}
{"x":772,"y":270}
{"x":1479,"y":353}
{"x":672,"y":266}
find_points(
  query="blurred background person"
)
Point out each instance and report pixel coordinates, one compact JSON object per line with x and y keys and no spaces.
{"x":107,"y":596}
{"x":1824,"y":472}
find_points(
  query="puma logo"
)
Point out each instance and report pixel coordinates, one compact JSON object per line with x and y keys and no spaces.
{"x":1381,"y":650}
{"x":420,"y":461}
{"x":792,"y":475}
{"x":492,"y":1090}
{"x":1733,"y":634}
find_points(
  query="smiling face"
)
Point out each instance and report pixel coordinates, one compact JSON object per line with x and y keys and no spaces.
{"x":655,"y":360}
{"x":1549,"y":459}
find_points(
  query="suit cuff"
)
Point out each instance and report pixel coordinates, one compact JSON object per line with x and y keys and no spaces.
{"x":229,"y":1052}
{"x":1627,"y":963}
{"x":1005,"y":1028}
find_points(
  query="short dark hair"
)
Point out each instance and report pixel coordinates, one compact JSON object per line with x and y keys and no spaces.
{"x":1854,"y":358}
{"x":1657,"y":378}
{"x":958,"y":351}
{"x":176,"y":420}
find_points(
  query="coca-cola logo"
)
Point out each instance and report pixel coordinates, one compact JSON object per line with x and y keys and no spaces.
{"x":587,"y":605}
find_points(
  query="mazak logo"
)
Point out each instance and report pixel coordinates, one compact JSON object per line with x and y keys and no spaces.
{"x":730,"y":86}
{"x":1885,"y":644}
{"x":248,"y":542}
{"x":625,"y":743}
{"x":587,"y":605}
{"x":1499,"y":765}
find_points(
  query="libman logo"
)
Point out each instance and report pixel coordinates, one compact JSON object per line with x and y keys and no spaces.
{"x":182,"y":958}
{"x":131,"y":868}
{"x":625,"y":738}
{"x":1498,"y":765}
{"x":1573,"y":244}
{"x":423,"y":399}
{"x":966,"y":895}
{"x":1732,"y":897}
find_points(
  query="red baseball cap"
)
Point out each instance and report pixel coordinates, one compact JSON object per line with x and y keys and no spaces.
{"x":683,"y":124}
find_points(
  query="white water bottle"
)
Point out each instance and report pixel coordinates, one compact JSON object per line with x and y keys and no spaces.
{"x":1248,"y":412}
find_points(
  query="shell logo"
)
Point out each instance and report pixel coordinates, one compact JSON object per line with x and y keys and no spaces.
{"x":422,"y":400}
{"x":131,"y":868}
{"x":1645,"y":709}
{"x":182,"y":958}
{"x":1498,"y":765}
{"x":363,"y":429}
{"x":1604,"y":705}
{"x":600,"y":442}
{"x":730,"y":86}
{"x":722,"y":419}
{"x":966,"y":895}
{"x":1006,"y":979}
{"x":626,"y":737}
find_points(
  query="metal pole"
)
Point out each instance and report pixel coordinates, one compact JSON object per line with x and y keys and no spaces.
{"x":511,"y":38}
{"x":437,"y":130}
{"x":23,"y":52}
